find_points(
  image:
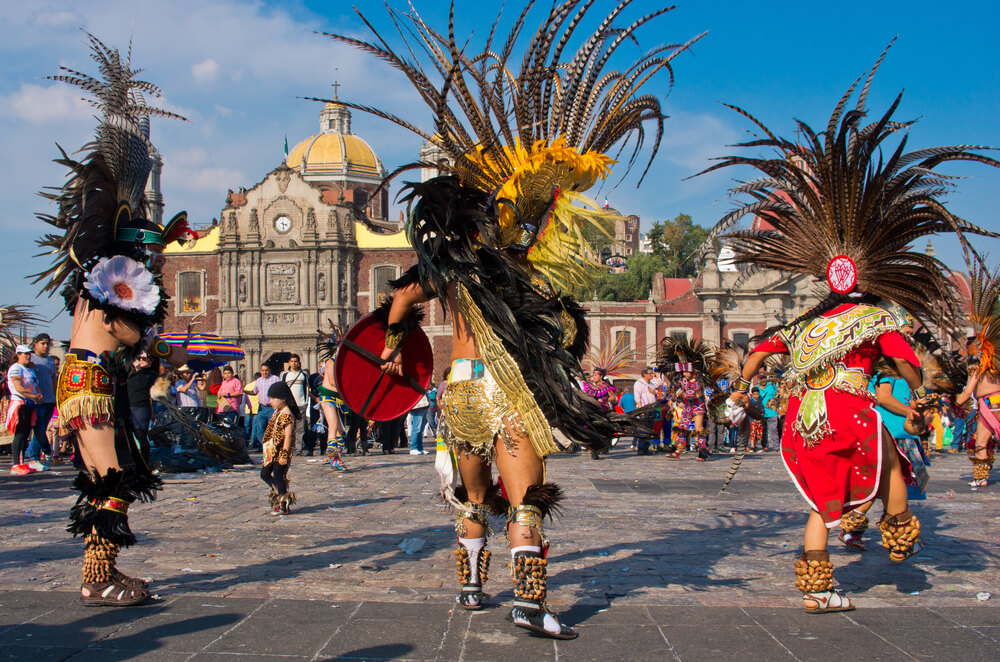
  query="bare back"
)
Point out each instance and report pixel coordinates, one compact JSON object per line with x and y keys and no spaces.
{"x":463,"y":345}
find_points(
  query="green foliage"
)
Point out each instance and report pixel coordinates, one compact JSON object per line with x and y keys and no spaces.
{"x":675,"y":249}
{"x":677,"y":242}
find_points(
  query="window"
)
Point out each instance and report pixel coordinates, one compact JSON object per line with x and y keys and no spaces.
{"x":189,"y":292}
{"x":380,"y":283}
{"x":623,"y":339}
{"x":679,"y":335}
{"x":741,"y":339}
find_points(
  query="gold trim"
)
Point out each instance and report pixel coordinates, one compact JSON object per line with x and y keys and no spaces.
{"x":508,"y":377}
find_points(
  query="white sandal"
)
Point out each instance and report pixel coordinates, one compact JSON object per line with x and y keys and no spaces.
{"x":828,"y":602}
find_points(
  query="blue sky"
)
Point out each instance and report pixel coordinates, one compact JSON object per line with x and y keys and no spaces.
{"x":236,"y":70}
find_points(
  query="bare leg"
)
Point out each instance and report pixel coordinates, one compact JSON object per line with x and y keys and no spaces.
{"x":892,"y":488}
{"x":520,"y":468}
{"x":334,"y":435}
{"x":476,"y":477}
{"x":522,"y":472}
{"x":97,"y":446}
{"x":816,"y":533}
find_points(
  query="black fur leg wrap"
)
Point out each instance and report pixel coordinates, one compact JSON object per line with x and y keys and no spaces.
{"x":102,"y":505}
{"x":546,"y":497}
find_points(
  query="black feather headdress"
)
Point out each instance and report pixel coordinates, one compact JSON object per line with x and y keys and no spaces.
{"x":105,"y":235}
{"x":846,"y":207}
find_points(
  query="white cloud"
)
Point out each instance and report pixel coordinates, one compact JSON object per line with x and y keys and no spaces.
{"x":206,"y":70}
{"x":38,"y":105}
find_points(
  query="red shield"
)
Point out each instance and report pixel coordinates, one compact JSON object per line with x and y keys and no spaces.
{"x":369,"y":391}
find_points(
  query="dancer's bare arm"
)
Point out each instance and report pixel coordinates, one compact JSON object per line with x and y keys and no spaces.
{"x":403,"y":302}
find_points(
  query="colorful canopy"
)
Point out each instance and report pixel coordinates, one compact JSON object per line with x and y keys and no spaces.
{"x":205,"y":348}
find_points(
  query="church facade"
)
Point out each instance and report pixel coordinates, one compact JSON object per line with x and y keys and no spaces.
{"x":289,"y":255}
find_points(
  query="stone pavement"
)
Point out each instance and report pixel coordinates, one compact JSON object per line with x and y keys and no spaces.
{"x":646,"y":560}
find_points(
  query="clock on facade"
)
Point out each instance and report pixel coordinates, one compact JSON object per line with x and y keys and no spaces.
{"x":282,"y":224}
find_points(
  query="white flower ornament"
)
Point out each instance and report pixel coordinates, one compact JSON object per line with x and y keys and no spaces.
{"x":124,"y":283}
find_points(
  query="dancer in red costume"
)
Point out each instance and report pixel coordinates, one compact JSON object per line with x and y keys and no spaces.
{"x":843,"y":212}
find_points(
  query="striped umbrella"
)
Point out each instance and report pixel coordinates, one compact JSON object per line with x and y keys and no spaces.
{"x":206,"y":349}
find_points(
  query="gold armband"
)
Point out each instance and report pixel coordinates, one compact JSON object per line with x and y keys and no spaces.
{"x":392,"y":339}
{"x":742,"y":385}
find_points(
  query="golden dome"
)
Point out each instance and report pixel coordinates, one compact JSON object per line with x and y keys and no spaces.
{"x":335,"y":155}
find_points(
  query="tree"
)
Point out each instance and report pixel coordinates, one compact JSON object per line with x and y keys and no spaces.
{"x":677,"y":242}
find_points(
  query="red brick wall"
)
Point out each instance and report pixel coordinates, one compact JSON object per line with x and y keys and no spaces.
{"x":208,"y":264}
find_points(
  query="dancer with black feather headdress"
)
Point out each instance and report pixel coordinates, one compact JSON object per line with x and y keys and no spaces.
{"x":108,"y":270}
{"x":500,"y":242}
{"x":843,"y":212}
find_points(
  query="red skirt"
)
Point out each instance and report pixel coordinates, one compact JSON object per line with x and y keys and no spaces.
{"x":843,"y":469}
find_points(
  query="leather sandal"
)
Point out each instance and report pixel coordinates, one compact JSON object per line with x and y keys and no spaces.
{"x":112,"y":594}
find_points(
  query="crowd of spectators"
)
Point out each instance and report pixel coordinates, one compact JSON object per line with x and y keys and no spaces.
{"x":240,"y":402}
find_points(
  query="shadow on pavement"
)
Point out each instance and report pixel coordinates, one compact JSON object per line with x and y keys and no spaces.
{"x":381,"y":652}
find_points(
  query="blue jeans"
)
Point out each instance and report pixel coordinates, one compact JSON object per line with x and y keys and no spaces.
{"x":418,"y":421}
{"x":41,"y":440}
{"x":264,"y":413}
{"x":248,"y":425}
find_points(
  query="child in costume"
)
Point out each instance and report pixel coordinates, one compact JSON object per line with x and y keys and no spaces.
{"x":107,"y":267}
{"x":841,"y":207}
{"x":279,"y":437}
{"x":500,"y":243}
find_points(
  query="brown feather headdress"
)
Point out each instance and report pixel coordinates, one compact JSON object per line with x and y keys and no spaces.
{"x":531,"y":136}
{"x":845,"y":208}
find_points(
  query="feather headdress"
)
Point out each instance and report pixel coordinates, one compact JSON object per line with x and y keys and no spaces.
{"x":845,"y":207}
{"x":679,"y":355}
{"x":328,"y":342}
{"x":105,"y":234}
{"x":532,"y":138}
{"x":611,"y":358}
{"x":985,"y":318}
{"x":15,"y":318}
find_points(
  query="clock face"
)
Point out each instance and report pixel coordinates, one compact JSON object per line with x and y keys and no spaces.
{"x":282,"y":224}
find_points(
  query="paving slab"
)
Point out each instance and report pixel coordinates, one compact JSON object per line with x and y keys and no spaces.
{"x":647,"y":561}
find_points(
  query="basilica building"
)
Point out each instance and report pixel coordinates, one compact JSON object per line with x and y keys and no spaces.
{"x":290,"y":254}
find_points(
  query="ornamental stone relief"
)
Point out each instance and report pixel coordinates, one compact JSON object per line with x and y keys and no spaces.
{"x":321,"y":287}
{"x":282,"y":283}
{"x":281,"y":318}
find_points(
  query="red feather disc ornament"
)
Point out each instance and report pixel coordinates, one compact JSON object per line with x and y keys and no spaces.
{"x":842,"y":274}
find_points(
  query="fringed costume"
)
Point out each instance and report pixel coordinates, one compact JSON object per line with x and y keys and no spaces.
{"x":500,"y":242}
{"x":842,"y":207}
{"x":689,"y":364}
{"x":106,"y":268}
{"x":985,"y":376}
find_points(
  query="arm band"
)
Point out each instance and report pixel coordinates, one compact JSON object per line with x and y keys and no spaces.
{"x":920,"y":392}
{"x":393,"y":338}
{"x":742,"y":385}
